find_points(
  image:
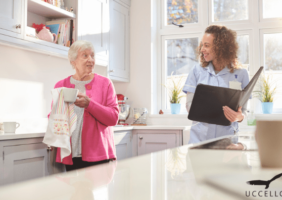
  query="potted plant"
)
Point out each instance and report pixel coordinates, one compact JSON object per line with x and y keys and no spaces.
{"x":175,"y":86}
{"x":266,"y":90}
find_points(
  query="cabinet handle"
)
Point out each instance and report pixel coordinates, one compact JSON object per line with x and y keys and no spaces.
{"x":49,"y":148}
{"x":140,"y":137}
{"x":111,"y":70}
{"x":18,"y":26}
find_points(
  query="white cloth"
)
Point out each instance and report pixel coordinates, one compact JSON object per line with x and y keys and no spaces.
{"x":61,"y":124}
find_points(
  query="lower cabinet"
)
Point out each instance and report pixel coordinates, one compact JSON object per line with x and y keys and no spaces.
{"x":123,"y":143}
{"x":26,"y":159}
{"x":148,"y":141}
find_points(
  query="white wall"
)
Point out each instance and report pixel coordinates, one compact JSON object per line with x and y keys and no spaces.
{"x":138,"y":90}
{"x":26,"y":80}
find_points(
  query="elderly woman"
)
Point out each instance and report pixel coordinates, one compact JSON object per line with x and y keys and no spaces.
{"x":92,"y":141}
{"x":218,"y":67}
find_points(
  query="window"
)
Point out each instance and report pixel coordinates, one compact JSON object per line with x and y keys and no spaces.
{"x":272,"y":59}
{"x":243,"y":53}
{"x":180,"y":58}
{"x":272,"y":8}
{"x":259,"y":36}
{"x":182,"y":11}
{"x":229,"y":10}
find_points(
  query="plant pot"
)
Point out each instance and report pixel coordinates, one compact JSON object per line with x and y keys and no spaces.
{"x":267,"y":107}
{"x":175,"y":108}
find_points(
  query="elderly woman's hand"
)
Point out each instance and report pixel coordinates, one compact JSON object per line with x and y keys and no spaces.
{"x":232,"y":115}
{"x":82,"y":101}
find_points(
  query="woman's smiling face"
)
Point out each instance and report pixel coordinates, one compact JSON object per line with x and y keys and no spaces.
{"x":85,"y":61}
{"x":207,"y":47}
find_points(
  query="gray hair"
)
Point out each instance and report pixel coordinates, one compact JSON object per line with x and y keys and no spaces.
{"x":79,"y":45}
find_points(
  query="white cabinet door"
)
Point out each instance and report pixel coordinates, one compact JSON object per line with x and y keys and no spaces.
{"x":123,"y":144}
{"x":149,"y":143}
{"x":24,"y":162}
{"x":119,"y":42}
{"x":126,"y":2}
{"x":93,"y":26}
{"x":11,"y":17}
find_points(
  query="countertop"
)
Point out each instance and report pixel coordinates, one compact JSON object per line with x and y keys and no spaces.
{"x":179,"y":173}
{"x":24,"y":134}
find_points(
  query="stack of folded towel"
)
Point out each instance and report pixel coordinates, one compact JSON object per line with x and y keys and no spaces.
{"x":61,"y":124}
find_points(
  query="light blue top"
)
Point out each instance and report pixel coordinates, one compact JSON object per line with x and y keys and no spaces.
{"x":206,"y":75}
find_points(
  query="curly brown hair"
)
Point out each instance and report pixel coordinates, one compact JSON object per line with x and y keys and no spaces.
{"x":225,"y":47}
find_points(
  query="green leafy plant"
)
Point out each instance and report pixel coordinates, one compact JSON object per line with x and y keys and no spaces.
{"x":265,"y":88}
{"x":175,"y":88}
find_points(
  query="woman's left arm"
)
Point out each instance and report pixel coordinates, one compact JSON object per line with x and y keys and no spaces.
{"x":105,"y":114}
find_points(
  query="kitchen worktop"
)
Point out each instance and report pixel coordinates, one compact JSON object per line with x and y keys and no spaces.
{"x":23,"y":134}
{"x":179,"y":173}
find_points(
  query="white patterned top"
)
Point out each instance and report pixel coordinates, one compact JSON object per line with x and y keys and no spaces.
{"x":76,"y":135}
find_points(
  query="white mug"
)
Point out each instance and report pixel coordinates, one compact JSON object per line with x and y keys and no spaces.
{"x":10,"y":127}
{"x":70,"y":94}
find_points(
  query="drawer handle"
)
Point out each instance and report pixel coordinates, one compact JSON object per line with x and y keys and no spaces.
{"x":49,"y":148}
{"x":140,"y":137}
{"x":18,"y":26}
{"x":112,"y":70}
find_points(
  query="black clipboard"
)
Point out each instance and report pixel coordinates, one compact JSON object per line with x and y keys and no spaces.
{"x":208,"y":101}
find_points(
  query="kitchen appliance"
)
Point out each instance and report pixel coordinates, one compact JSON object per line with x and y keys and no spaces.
{"x":124,"y":109}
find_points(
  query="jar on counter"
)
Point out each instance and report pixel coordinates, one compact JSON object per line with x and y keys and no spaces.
{"x":140,"y":115}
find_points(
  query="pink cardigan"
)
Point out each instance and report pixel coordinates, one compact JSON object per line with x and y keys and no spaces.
{"x":102,"y":112}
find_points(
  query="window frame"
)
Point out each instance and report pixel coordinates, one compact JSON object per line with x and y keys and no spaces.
{"x":253,"y":27}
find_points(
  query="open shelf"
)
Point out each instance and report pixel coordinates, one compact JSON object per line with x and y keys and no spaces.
{"x":47,"y":10}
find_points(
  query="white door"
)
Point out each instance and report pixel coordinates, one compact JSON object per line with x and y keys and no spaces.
{"x":119,"y":41}
{"x":148,"y":143}
{"x":11,"y":17}
{"x":93,"y":26}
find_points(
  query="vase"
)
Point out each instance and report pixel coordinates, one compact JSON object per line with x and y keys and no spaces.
{"x":175,"y":108}
{"x":267,"y":107}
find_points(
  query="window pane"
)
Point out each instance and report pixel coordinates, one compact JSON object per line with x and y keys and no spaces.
{"x":230,"y":10}
{"x":273,"y":63}
{"x":272,"y":8}
{"x":182,"y":11}
{"x":243,"y":54}
{"x":272,"y":51}
{"x":181,"y":57}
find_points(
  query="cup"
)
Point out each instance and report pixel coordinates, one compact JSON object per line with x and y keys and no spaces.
{"x":10,"y":127}
{"x":269,"y":140}
{"x":70,"y":94}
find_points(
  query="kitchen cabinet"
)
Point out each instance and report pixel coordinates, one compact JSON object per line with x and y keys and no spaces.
{"x":148,"y":141}
{"x":124,"y":2}
{"x":123,"y":144}
{"x":119,"y":42}
{"x":11,"y":19}
{"x":25,"y":159}
{"x":93,"y":26}
{"x":105,"y":23}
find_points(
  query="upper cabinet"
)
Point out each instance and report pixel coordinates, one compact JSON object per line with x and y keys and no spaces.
{"x":105,"y":23}
{"x":93,"y":26}
{"x":124,"y":2}
{"x":119,"y":42}
{"x":11,"y":19}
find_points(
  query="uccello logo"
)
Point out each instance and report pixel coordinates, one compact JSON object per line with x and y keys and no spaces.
{"x":264,"y":193}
